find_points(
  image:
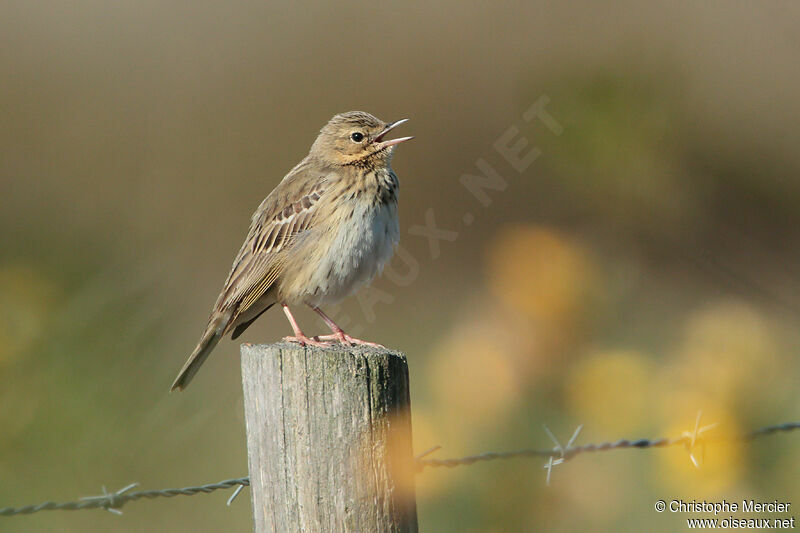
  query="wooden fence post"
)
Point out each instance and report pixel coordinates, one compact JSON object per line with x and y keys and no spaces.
{"x":328,"y":439}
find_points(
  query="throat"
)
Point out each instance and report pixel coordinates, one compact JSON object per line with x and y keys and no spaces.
{"x":373,"y":160}
{"x":385,"y":185}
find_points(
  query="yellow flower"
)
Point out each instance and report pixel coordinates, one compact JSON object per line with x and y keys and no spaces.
{"x":727,"y":347}
{"x":543,"y":276}
{"x":611,"y":390}
{"x":472,"y":373}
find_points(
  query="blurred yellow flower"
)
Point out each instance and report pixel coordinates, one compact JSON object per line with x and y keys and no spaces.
{"x":474,"y":382}
{"x":399,"y":454}
{"x":548,"y":279}
{"x":727,"y":347}
{"x":611,"y":390}
{"x":427,"y":434}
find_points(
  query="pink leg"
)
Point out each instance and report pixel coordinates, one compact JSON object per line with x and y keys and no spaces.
{"x":298,"y":337}
{"x":338,"y":333}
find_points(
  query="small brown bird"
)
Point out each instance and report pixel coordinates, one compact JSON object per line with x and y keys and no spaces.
{"x":328,"y":227}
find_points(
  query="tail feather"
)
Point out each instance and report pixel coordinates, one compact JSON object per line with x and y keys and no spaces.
{"x":238,"y":330}
{"x":207,"y":343}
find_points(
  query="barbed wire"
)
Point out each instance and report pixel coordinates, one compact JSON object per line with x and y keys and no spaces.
{"x":690,"y":440}
{"x":114,"y":501}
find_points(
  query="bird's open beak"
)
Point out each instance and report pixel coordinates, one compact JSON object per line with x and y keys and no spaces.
{"x":380,"y":144}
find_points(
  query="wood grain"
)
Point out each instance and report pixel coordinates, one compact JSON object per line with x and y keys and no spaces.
{"x":328,"y":439}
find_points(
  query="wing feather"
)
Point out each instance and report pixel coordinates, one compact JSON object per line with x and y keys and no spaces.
{"x":260,"y":260}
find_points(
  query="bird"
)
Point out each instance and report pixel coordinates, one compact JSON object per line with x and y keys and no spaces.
{"x":326,"y":229}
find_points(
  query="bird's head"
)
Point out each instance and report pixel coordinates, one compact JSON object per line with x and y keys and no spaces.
{"x":356,"y":137}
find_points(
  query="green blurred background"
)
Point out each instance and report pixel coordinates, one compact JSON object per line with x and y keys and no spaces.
{"x":643,"y":268}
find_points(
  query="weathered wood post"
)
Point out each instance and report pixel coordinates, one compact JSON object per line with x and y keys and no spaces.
{"x":328,"y":439}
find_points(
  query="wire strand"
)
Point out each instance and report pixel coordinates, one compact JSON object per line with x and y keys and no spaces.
{"x":114,"y":501}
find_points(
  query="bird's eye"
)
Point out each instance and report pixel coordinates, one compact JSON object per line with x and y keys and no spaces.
{"x":357,"y":137}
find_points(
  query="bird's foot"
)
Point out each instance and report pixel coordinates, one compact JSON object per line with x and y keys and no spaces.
{"x":302,"y":340}
{"x":347,"y":340}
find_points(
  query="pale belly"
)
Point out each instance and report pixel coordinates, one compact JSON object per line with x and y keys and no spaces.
{"x":336,"y":264}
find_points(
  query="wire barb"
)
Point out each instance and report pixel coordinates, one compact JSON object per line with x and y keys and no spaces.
{"x":691,"y":439}
{"x":236,"y":492}
{"x":560,"y":449}
{"x":111,"y":501}
{"x":428,"y":452}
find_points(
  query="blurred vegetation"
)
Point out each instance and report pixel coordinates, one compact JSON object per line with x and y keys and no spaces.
{"x":645,"y":267}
